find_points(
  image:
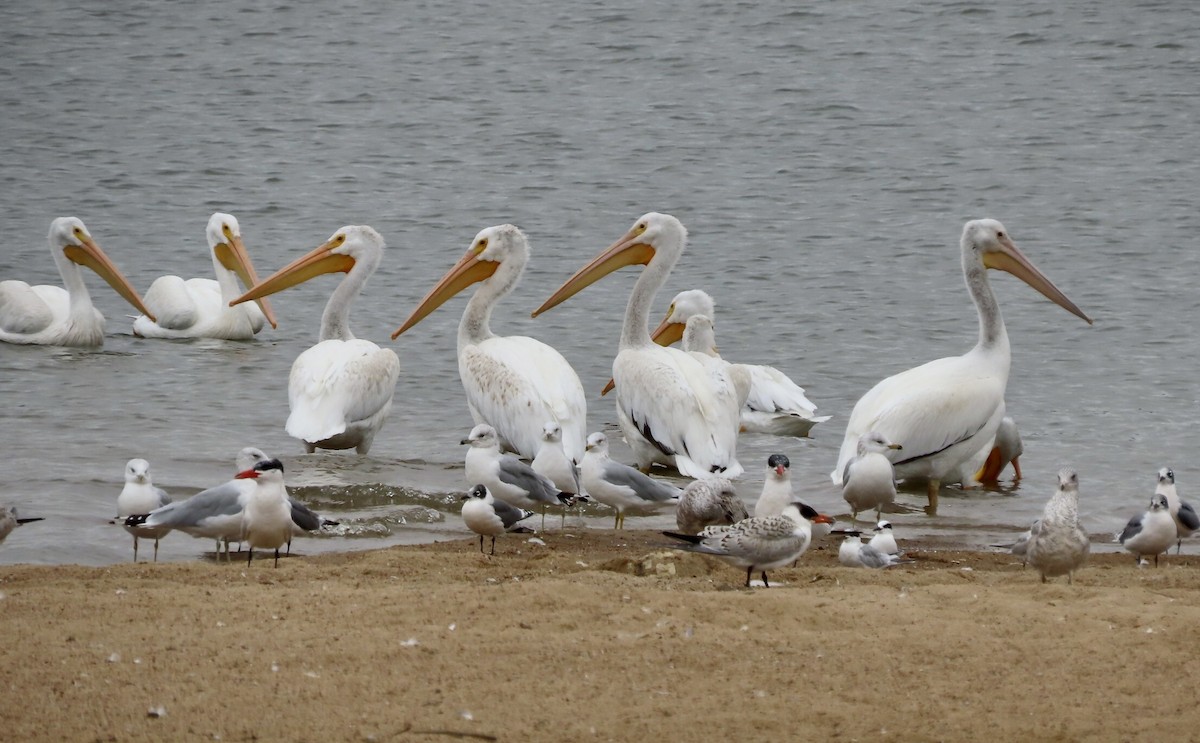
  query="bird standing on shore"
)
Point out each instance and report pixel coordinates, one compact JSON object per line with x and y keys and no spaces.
{"x":140,"y":497}
{"x":9,"y":520}
{"x":619,"y":485}
{"x":758,"y":543}
{"x":1060,"y":545}
{"x":267,"y":517}
{"x":486,"y":516}
{"x":711,"y":501}
{"x":1150,"y":533}
{"x":507,"y":477}
{"x":868,"y":480}
{"x":1186,"y":520}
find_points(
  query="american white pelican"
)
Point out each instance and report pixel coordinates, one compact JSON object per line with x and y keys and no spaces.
{"x":1186,"y":520}
{"x":1059,"y":545}
{"x":199,"y":308}
{"x":267,"y":517}
{"x":670,"y":408}
{"x":944,"y":411}
{"x":341,"y":389}
{"x":140,"y":496}
{"x":513,"y":383}
{"x":712,"y":501}
{"x":984,"y":467}
{"x":487,"y":516}
{"x":758,"y":543}
{"x":54,"y":316}
{"x":775,"y":405}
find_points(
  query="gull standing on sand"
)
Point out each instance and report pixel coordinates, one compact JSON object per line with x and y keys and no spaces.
{"x":1186,"y":520}
{"x":267,"y":518}
{"x":758,"y":543}
{"x":1060,"y":545}
{"x":1150,"y":533}
{"x":552,"y":462}
{"x":868,"y":480}
{"x":140,"y":497}
{"x":507,"y":477}
{"x":9,"y":521}
{"x":1020,"y":548}
{"x":884,"y":539}
{"x":711,"y":501}
{"x":619,"y":485}
{"x":486,"y":516}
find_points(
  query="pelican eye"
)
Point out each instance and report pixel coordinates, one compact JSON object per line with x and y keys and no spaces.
{"x":481,"y":245}
{"x":1000,"y":234}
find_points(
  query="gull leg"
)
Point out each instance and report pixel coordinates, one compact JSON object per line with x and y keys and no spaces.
{"x":765,"y":583}
{"x":543,"y":518}
{"x":276,"y":557}
{"x":135,"y":549}
{"x":156,"y":550}
{"x":749,"y":570}
{"x":493,"y":543}
{"x":249,"y":555}
{"x":481,"y":544}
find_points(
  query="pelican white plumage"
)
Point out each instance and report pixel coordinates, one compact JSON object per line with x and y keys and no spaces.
{"x":199,"y":308}
{"x":775,"y":404}
{"x":671,"y":409}
{"x":56,"y":316}
{"x":944,"y":411}
{"x":513,"y":383}
{"x":341,"y":389}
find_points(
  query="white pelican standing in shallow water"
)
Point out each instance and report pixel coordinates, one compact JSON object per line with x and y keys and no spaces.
{"x":341,"y":389}
{"x":776,"y":405}
{"x":513,"y":383}
{"x":199,"y":308}
{"x":670,"y":407}
{"x":51,"y":315}
{"x":944,"y":411}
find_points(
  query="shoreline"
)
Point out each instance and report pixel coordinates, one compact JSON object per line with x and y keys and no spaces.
{"x":593,"y":635}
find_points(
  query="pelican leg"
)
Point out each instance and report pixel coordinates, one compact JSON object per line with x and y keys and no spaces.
{"x":1016,"y":468}
{"x":309,"y":448}
{"x":934,"y":487}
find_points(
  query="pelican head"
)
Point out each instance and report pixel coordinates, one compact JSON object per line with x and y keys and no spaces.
{"x":684,"y":306}
{"x":69,"y":235}
{"x":986,"y":241}
{"x":1068,"y":480}
{"x":650,"y":236}
{"x":488,"y":251}
{"x":225,"y":241}
{"x":137,"y":471}
{"x":350,"y":246}
{"x":551,"y":431}
{"x":700,"y":336}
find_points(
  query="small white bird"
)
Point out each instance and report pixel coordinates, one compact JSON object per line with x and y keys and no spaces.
{"x":758,"y":543}
{"x":267,"y":517}
{"x":140,"y":497}
{"x":9,"y":521}
{"x":1150,"y":533}
{"x":849,"y":552}
{"x":876,"y":560}
{"x":712,"y":501}
{"x":777,"y":487}
{"x":486,"y":516}
{"x":868,"y":480}
{"x":619,"y":485}
{"x":884,"y":539}
{"x":552,"y":462}
{"x":507,"y":477}
{"x":1186,"y":520}
{"x":1060,"y":546}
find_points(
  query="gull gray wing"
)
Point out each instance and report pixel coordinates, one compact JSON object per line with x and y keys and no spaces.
{"x":1187,"y":515}
{"x":645,"y":486}
{"x":509,"y":514}
{"x":1132,"y":529}
{"x":163,"y":498}
{"x":513,"y":471}
{"x":222,"y":500}
{"x":303,"y":516}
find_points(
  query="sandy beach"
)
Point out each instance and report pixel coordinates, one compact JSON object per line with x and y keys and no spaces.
{"x":597,"y":635}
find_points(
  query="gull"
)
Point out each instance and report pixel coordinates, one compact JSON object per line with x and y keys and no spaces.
{"x":552,"y":462}
{"x":884,"y":540}
{"x":619,"y":485}
{"x":507,"y":477}
{"x":1150,"y":533}
{"x":711,"y":501}
{"x":1020,"y":548}
{"x":1186,"y":520}
{"x":486,"y":516}
{"x":876,"y":560}
{"x":267,"y":516}
{"x":868,"y":480}
{"x":1059,"y":546}
{"x":850,"y":551}
{"x":9,"y":521}
{"x":758,"y":543}
{"x":140,"y":497}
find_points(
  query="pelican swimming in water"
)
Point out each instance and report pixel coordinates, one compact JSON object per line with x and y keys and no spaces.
{"x":776,"y":405}
{"x":513,"y":383}
{"x":944,"y":411}
{"x":199,"y":308}
{"x":671,"y":408}
{"x":56,"y":316}
{"x":341,"y":389}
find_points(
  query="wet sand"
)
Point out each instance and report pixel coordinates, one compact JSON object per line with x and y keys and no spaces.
{"x":598,"y":635}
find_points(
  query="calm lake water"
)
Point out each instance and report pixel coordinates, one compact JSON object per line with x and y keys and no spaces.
{"x":824,"y":161}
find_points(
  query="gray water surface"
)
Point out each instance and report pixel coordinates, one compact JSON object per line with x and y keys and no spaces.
{"x":824,"y":161}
